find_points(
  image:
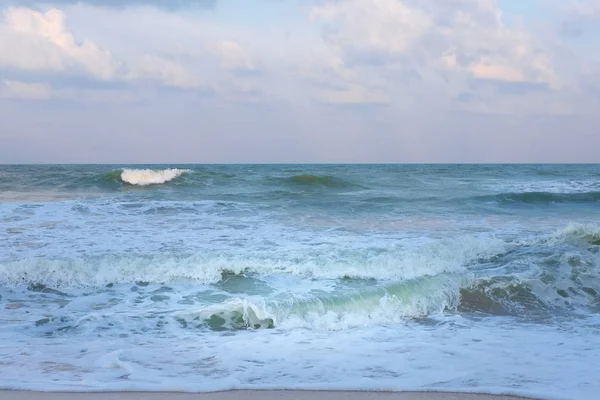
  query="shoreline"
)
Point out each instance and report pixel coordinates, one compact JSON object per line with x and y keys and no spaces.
{"x":257,"y":395}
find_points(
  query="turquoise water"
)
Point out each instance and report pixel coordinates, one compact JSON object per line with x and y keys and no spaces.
{"x":391,"y":277}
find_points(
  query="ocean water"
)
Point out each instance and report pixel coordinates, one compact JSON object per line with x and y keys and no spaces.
{"x":482,"y":278}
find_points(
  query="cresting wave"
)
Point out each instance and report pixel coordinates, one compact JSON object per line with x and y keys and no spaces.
{"x":536,"y":297}
{"x":430,"y":259}
{"x":369,"y":305}
{"x":433,"y":258}
{"x":583,"y":232}
{"x":144,"y":177}
{"x":438,"y":281}
{"x":389,"y":303}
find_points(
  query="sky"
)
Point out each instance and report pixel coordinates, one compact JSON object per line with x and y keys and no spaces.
{"x":299,"y":81}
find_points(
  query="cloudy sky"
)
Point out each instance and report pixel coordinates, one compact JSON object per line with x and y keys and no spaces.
{"x":203,"y":81}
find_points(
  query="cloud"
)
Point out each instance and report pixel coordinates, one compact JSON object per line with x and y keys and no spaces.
{"x":164,"y":4}
{"x":482,"y":45}
{"x":577,"y":16}
{"x":351,"y":95}
{"x":234,"y":57}
{"x":585,"y":10}
{"x":464,"y":36}
{"x":167,"y":71}
{"x":363,"y":27}
{"x":36,"y":41}
{"x":22,"y":90}
{"x":420,"y":76}
{"x":42,"y":42}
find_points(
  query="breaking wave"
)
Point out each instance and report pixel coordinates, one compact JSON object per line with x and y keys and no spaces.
{"x":144,"y":177}
{"x":369,"y":306}
{"x":437,"y":257}
{"x":463,"y":274}
{"x":537,"y":297}
{"x":418,"y":298}
{"x":589,"y":233}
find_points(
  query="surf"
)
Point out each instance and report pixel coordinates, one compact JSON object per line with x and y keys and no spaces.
{"x":145,"y":177}
{"x":545,"y":198}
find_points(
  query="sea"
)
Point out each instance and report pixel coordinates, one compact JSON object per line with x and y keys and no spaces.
{"x":199,"y":278}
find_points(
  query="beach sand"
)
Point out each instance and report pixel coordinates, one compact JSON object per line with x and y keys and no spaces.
{"x":253,"y":395}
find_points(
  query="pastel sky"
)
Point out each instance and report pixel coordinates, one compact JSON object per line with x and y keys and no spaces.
{"x":211,"y":81}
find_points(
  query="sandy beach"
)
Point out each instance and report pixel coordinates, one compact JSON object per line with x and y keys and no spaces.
{"x":254,"y":395}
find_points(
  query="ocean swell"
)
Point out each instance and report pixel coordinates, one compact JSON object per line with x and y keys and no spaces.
{"x":541,"y":198}
{"x":318,"y":181}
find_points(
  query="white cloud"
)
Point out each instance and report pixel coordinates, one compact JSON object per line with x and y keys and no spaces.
{"x":10,"y":89}
{"x":167,"y":71}
{"x":42,"y":41}
{"x":440,"y":67}
{"x":18,"y":90}
{"x":481,"y":44}
{"x":234,"y":57}
{"x":586,"y":9}
{"x":465,"y":36}
{"x":32,"y":40}
{"x":386,"y":26}
{"x":351,"y":95}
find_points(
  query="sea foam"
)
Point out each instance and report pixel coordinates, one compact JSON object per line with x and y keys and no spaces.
{"x":429,"y":259}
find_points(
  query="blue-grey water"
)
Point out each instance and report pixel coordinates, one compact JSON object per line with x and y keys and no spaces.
{"x":388,"y":277}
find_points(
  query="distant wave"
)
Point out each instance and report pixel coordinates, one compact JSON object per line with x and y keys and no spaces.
{"x":542,"y":197}
{"x":144,"y":177}
{"x":318,"y":180}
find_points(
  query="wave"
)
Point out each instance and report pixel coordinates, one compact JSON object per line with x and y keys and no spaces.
{"x":392,"y":303}
{"x":555,"y":283}
{"x":588,"y":233}
{"x":386,"y":304}
{"x":144,"y":177}
{"x":326,"y":181}
{"x":462,"y":274}
{"x":542,"y":197}
{"x":433,"y":258}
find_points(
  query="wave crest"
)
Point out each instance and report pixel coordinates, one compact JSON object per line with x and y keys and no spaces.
{"x":396,"y":302}
{"x":318,"y":181}
{"x":437,"y":257}
{"x":144,"y":177}
{"x":336,"y":311}
{"x":589,"y":233}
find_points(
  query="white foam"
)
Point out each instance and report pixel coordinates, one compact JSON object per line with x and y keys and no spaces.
{"x":502,"y":356}
{"x":577,"y":231}
{"x":429,"y":259}
{"x":144,"y":177}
